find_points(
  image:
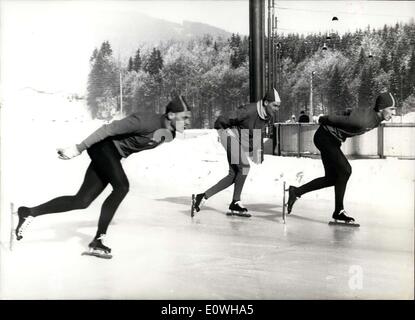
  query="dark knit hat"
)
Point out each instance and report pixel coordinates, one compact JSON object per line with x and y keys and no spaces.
{"x":272,"y":96}
{"x":384,"y":100}
{"x":177,"y":104}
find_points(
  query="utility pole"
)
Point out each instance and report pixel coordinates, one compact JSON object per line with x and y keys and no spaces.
{"x":311,"y":95}
{"x":256,"y":50}
{"x":277,"y":57}
{"x":120,"y":93}
{"x":273,"y":51}
{"x":270,"y":57}
{"x":119,"y":67}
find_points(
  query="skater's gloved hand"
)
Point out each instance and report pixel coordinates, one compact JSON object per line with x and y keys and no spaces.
{"x":68,"y":152}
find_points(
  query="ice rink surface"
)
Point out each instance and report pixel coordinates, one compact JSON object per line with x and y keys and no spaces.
{"x":162,"y":253}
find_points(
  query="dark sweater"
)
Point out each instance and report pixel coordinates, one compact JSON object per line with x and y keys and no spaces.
{"x":246,"y":117}
{"x":132,"y":134}
{"x":356,"y":123}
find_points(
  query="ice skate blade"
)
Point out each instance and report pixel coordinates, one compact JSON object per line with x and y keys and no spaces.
{"x":239,"y":214}
{"x":347,"y":224}
{"x":97,"y":254}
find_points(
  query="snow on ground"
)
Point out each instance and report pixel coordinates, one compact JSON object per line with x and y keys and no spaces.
{"x":161,"y":253}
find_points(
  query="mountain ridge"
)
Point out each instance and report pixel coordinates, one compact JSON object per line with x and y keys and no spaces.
{"x":127,"y":36}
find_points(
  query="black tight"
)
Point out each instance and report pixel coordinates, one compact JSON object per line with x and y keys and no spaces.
{"x":336,"y":167}
{"x":105,"y":168}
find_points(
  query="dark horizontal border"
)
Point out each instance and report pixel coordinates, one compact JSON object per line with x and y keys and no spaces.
{"x":152,"y":309}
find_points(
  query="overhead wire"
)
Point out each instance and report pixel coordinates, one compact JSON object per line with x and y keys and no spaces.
{"x":343,"y":12}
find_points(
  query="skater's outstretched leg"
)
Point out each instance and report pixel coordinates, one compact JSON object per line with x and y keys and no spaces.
{"x":337,"y":172}
{"x":91,"y":187}
{"x":222,"y":184}
{"x":295,"y":193}
{"x":332,"y":158}
{"x":237,"y":174}
{"x":197,"y":200}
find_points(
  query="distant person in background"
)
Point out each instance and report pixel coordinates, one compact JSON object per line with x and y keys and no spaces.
{"x":292,"y":120}
{"x":237,"y":137}
{"x":334,"y":130}
{"x":347,"y":112}
{"x":303,"y":117}
{"x":106,"y":147}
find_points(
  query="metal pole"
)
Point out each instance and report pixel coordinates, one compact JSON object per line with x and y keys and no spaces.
{"x":269,"y":32}
{"x":120,"y":93}
{"x":273,"y":51}
{"x":311,"y":95}
{"x":119,"y":67}
{"x":256,"y":50}
{"x":277,"y":58}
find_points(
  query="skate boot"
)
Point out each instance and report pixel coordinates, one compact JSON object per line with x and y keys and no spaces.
{"x":197,"y":202}
{"x":237,"y":209}
{"x":25,"y":219}
{"x":292,"y":197}
{"x":98,"y":249}
{"x":340,"y":218}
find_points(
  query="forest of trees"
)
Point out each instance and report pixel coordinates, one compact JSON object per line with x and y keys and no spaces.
{"x":213,"y":74}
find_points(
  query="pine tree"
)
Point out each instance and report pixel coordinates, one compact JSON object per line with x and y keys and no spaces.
{"x":237,"y":56}
{"x":335,"y":91}
{"x":396,"y":80}
{"x":93,"y":56}
{"x":103,"y":81}
{"x":384,"y":62}
{"x":410,"y":75}
{"x":360,"y":62}
{"x":154,"y":63}
{"x":137,"y":61}
{"x":130,"y":65}
{"x":366,"y":93}
{"x":385,"y":32}
{"x":106,"y":50}
{"x":404,"y":91}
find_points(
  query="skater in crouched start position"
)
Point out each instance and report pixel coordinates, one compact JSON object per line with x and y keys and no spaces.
{"x":106,"y":147}
{"x":328,"y":138}
{"x":240,"y":135}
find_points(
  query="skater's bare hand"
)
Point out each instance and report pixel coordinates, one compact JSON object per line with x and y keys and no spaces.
{"x":68,"y":152}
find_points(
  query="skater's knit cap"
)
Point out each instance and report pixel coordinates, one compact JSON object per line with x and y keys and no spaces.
{"x":384,"y":100}
{"x":178,"y":104}
{"x":272,"y":96}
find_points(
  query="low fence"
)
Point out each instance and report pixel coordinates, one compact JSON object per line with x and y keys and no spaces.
{"x":388,"y":140}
